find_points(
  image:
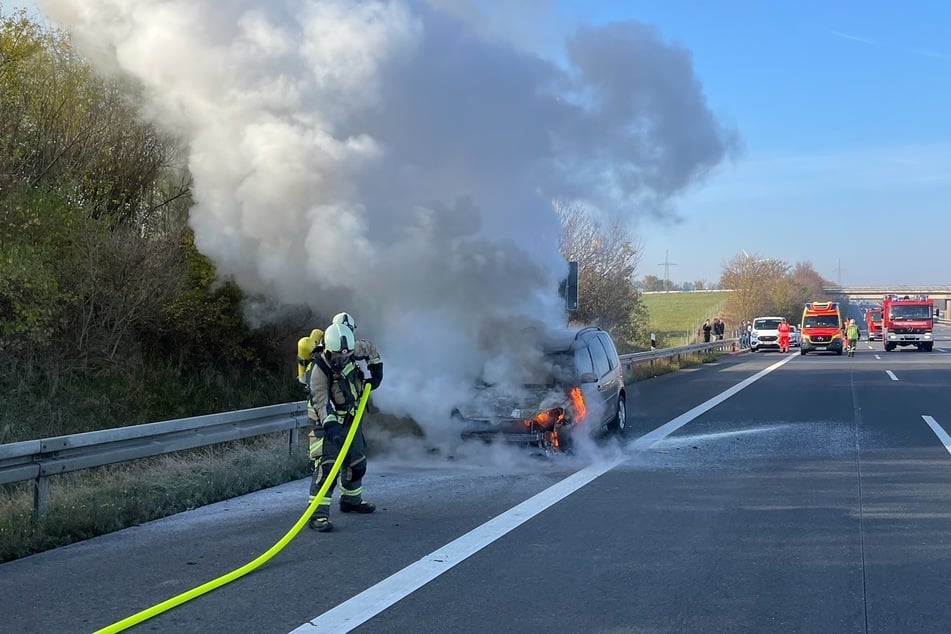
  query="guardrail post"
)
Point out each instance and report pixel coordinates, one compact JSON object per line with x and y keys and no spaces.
{"x":292,"y":436}
{"x":41,"y":497}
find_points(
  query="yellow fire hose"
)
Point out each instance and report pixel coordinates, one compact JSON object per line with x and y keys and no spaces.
{"x":175,"y":601}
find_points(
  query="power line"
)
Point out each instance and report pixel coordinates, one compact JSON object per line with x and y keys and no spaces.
{"x":838,"y":271}
{"x":667,"y":264}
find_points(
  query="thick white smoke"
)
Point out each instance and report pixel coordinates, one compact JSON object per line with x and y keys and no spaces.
{"x":384,"y":158}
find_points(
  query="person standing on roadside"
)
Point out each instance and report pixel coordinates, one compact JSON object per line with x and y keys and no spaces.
{"x":706,"y":331}
{"x":783,"y":329}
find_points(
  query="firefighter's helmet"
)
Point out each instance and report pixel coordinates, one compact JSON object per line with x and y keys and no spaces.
{"x":338,"y":339}
{"x":345,"y":319}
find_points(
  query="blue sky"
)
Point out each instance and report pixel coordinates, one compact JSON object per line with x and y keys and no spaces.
{"x":844,"y":109}
{"x":844,"y":112}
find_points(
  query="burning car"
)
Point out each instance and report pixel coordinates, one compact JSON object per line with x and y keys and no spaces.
{"x":572,"y":380}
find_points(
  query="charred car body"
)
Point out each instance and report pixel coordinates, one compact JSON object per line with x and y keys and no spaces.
{"x":573,"y":381}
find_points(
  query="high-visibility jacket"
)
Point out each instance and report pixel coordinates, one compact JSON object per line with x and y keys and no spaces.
{"x":334,"y":395}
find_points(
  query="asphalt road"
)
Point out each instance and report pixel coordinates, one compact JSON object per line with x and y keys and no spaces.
{"x":813,"y":497}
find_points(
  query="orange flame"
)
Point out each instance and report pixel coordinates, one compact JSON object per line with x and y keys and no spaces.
{"x":577,"y":400}
{"x":547,"y":420}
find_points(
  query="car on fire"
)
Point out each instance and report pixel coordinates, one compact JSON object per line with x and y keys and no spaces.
{"x":573,"y":381}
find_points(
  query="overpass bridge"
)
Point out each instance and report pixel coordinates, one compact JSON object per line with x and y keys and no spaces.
{"x":940,"y":294}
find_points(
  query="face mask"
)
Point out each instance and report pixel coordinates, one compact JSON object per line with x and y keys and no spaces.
{"x":337,"y":360}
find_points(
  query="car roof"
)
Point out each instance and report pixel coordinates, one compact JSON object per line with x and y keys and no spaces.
{"x":558,"y":340}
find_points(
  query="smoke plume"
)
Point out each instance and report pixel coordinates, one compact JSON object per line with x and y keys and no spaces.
{"x":390,"y":159}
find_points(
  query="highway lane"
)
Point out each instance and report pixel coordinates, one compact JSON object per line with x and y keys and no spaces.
{"x":816,"y":499}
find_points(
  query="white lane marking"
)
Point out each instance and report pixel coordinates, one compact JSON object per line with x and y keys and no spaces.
{"x":648,"y":439}
{"x":364,"y":606}
{"x":877,"y":356}
{"x":939,"y":432}
{"x":891,"y":374}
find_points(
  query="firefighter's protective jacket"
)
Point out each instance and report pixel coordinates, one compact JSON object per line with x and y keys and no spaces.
{"x":334,"y":398}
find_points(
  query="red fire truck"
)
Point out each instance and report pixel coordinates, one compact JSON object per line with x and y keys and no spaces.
{"x":907,"y":321}
{"x":873,"y":322}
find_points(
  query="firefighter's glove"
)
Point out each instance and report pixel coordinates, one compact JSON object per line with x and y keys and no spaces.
{"x":334,"y":433}
{"x":376,"y":375}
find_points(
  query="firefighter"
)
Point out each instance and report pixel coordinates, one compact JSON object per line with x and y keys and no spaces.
{"x":336,"y":384}
{"x":783,"y":329}
{"x":346,"y":319}
{"x":851,"y":336}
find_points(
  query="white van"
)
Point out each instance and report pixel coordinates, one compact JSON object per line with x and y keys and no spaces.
{"x":765,"y":333}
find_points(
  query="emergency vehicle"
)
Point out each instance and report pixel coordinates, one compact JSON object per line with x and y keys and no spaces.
{"x":908,"y":321}
{"x":873,"y":322}
{"x":821,"y":328}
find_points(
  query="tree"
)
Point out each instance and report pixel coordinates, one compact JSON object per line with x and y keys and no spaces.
{"x":811,"y":283}
{"x":753,"y":280}
{"x":65,"y":127}
{"x":766,"y":286}
{"x":652,"y":284}
{"x":607,"y":260}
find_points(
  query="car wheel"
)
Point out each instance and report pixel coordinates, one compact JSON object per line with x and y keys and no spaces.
{"x":619,"y":424}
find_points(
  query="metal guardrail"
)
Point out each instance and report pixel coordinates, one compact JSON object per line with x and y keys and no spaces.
{"x":37,"y":460}
{"x":666,"y":353}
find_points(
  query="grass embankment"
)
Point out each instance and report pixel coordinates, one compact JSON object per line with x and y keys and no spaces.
{"x":675,"y":317}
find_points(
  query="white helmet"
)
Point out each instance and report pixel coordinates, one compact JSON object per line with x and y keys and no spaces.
{"x":339,"y":339}
{"x":345,"y":319}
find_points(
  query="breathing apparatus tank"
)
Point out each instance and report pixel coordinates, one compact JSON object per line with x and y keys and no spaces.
{"x":305,"y":348}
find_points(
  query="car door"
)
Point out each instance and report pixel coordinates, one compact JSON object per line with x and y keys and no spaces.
{"x":606,"y":390}
{"x":616,"y":377}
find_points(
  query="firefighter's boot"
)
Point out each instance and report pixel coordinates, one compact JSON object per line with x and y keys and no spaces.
{"x":320,"y":523}
{"x":356,"y":507}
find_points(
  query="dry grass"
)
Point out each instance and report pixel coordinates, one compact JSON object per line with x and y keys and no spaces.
{"x":98,"y":501}
{"x":657,"y":367}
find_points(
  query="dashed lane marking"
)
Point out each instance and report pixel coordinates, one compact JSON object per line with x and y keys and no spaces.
{"x":891,"y":374}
